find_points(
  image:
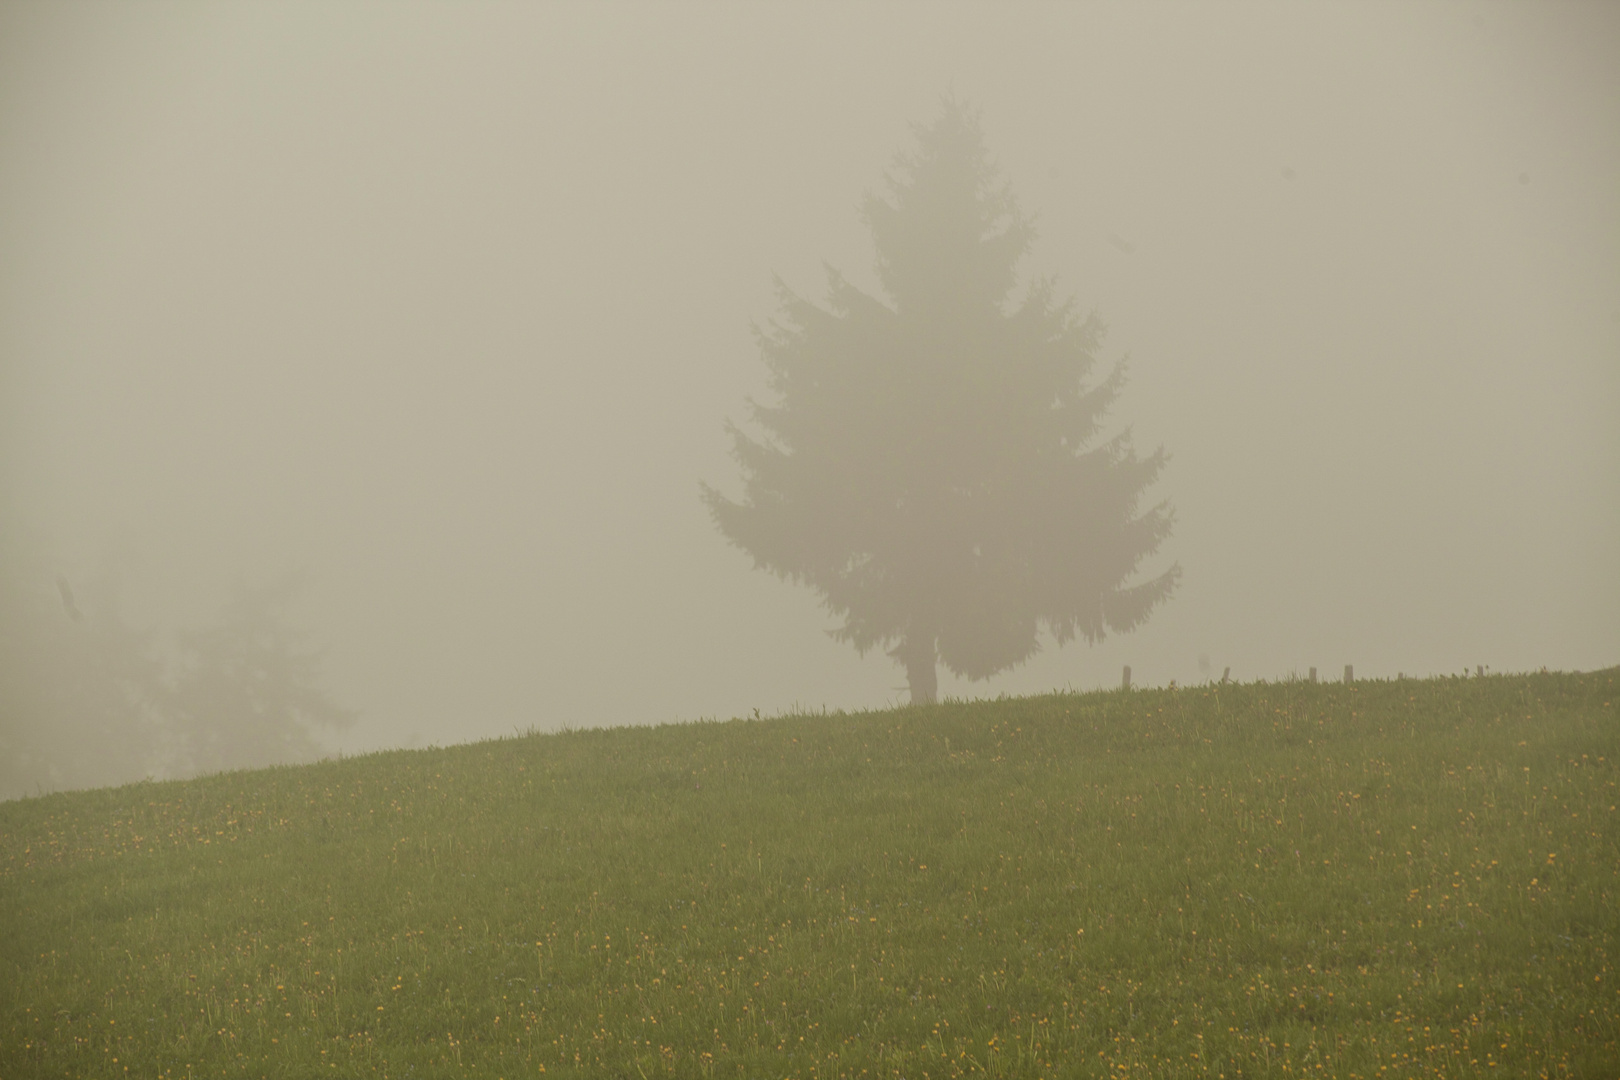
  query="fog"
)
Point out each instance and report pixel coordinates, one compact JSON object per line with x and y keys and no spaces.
{"x":446,"y":306}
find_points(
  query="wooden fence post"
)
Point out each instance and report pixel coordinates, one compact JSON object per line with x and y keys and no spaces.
{"x":1349,"y":673}
{"x":1225,"y":675}
{"x":1125,"y":683}
{"x":1313,"y":674}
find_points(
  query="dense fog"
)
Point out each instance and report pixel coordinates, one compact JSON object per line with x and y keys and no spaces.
{"x":419,"y":327}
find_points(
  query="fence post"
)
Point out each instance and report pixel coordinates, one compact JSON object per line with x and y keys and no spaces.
{"x":1225,"y":674}
{"x":1125,"y":683}
{"x":1313,"y":674}
{"x":1349,"y":673}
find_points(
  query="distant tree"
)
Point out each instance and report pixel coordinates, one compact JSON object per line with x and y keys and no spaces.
{"x":81,"y":691}
{"x":247,"y":693}
{"x":930,"y":463}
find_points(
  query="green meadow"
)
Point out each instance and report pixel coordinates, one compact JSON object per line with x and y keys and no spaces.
{"x":1386,"y":879}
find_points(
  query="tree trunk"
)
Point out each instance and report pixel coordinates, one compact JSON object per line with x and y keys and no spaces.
{"x":917,"y":653}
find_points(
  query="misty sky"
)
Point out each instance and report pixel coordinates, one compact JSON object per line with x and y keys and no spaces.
{"x":448,"y":305}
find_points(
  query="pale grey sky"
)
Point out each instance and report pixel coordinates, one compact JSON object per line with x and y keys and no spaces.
{"x":449,"y":304}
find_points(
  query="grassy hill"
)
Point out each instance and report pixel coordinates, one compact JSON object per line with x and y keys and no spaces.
{"x":1407,"y":878}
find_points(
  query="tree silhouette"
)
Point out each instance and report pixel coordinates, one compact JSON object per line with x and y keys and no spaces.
{"x":248,"y":695}
{"x":81,"y":691}
{"x":930,"y":465}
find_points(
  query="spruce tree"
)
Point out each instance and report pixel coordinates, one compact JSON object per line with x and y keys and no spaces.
{"x":248,"y":695}
{"x":932,"y":463}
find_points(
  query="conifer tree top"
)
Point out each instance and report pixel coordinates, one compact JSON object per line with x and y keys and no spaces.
{"x":951,"y":232}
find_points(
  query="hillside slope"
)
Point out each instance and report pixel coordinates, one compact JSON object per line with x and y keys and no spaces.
{"x":1407,"y":878}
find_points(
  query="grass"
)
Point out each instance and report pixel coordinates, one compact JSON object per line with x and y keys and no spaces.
{"x":1390,"y":879}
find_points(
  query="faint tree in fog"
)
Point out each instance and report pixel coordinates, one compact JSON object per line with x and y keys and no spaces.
{"x":247,"y":694}
{"x":81,"y":691}
{"x":69,"y":604}
{"x":931,"y":464}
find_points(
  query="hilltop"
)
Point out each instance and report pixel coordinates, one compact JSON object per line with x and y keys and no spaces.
{"x":1387,"y":878}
